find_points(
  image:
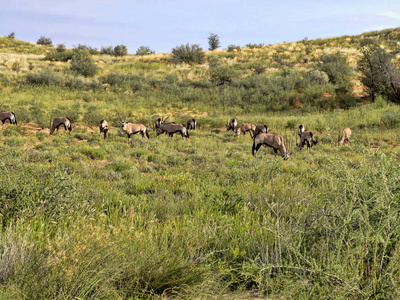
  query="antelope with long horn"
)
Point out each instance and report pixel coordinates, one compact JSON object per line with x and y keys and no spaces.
{"x":161,"y":121}
{"x":10,"y":116}
{"x":131,"y":128}
{"x":191,"y":124}
{"x":307,"y":137}
{"x":246,"y":127}
{"x":274,"y":141}
{"x":103,"y":127}
{"x":260,"y":129}
{"x":58,"y":121}
{"x":232,"y":125}
{"x":346,"y":134}
{"x":170,"y":129}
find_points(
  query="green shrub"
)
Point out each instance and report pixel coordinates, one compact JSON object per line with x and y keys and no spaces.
{"x":59,"y":54}
{"x":83,"y":64}
{"x":391,"y":119}
{"x":318,"y":77}
{"x":191,"y":54}
{"x":120,"y":50}
{"x":75,"y":83}
{"x":44,"y":41}
{"x":107,"y":50}
{"x":144,"y":50}
{"x":46,"y":77}
{"x":93,"y":153}
{"x":14,"y":141}
{"x":12,"y":130}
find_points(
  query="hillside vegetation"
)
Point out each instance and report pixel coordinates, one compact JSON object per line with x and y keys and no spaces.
{"x":84,"y":217}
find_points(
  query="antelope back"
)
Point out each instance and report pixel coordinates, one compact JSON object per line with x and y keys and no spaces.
{"x":133,"y":128}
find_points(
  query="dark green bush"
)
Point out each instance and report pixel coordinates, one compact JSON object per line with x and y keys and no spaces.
{"x":107,"y":50}
{"x":44,"y":41}
{"x":46,"y":77}
{"x":221,"y":73}
{"x":83,"y":64}
{"x":391,"y":119}
{"x":191,"y":54}
{"x":76,"y":83}
{"x":120,"y":50}
{"x":144,"y":50}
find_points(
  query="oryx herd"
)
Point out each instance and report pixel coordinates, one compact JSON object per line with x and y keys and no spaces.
{"x":261,"y":137}
{"x":258,"y":133}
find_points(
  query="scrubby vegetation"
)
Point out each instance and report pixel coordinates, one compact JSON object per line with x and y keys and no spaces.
{"x":83,"y":217}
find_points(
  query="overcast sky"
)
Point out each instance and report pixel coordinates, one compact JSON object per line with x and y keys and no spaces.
{"x":165,"y":24}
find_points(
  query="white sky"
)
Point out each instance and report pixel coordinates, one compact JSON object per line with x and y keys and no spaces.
{"x":165,"y":24}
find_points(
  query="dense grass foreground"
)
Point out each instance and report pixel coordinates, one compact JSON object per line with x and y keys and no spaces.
{"x":195,"y":219}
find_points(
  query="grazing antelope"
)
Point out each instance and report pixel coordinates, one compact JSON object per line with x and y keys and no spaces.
{"x":191,"y":124}
{"x":245,"y":127}
{"x":260,"y":129}
{"x":131,"y":128}
{"x":10,"y":116}
{"x":160,"y":122}
{"x":232,"y":125}
{"x":173,"y":128}
{"x":300,"y":130}
{"x":274,"y":141}
{"x":346,"y":134}
{"x":103,"y":127}
{"x":58,"y":121}
{"x":307,"y":137}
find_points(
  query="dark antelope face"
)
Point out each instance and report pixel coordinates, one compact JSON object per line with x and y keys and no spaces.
{"x":159,"y":131}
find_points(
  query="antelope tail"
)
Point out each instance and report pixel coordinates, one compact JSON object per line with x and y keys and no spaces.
{"x":147,"y":134}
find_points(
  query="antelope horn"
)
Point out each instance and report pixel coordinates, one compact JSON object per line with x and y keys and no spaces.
{"x":166,"y":119}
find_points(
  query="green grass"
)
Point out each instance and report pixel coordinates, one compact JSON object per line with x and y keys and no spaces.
{"x":84,"y":217}
{"x":165,"y":217}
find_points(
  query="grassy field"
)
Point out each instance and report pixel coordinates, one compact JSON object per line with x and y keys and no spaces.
{"x":88,"y":218}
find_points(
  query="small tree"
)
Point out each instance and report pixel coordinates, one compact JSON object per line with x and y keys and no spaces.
{"x":188,"y":53}
{"x":144,"y":50}
{"x":82,"y":63}
{"x":11,"y":36}
{"x":381,"y":76}
{"x":220,"y":73}
{"x":213,"y":42}
{"x":120,"y":50}
{"x":44,"y":41}
{"x":338,"y":71}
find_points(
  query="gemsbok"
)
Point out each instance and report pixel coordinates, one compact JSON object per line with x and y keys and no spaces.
{"x":161,"y":121}
{"x":191,"y":124}
{"x":170,"y":129}
{"x":246,"y":127}
{"x":260,"y":129}
{"x":274,"y":141}
{"x":131,"y":128}
{"x":232,"y":125}
{"x":58,"y":121}
{"x":346,"y":134}
{"x":10,"y":116}
{"x":103,"y":127}
{"x":307,"y":137}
